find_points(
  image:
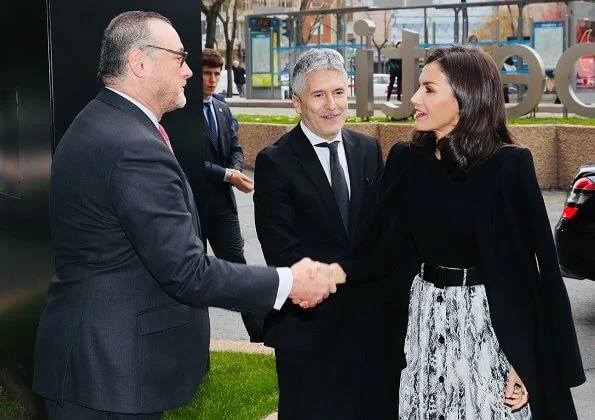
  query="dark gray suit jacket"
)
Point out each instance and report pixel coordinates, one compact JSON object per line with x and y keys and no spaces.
{"x":229,"y":149}
{"x":126,"y":326}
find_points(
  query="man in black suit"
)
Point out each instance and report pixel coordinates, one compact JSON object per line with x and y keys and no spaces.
{"x":226,"y":158}
{"x":125,"y":330}
{"x":310,"y":198}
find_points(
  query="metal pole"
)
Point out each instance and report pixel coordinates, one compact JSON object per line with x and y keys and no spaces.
{"x":340,"y":34}
{"x":248,"y":57}
{"x":519,"y":28}
{"x":425,"y":25}
{"x":465,"y":23}
{"x":570,"y":29}
{"x":272,"y":64}
{"x":319,"y":31}
{"x":456,"y":28}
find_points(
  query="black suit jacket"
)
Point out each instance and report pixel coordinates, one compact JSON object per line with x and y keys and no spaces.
{"x":229,"y":150}
{"x":126,"y":326}
{"x":529,"y":305}
{"x":297,"y":216}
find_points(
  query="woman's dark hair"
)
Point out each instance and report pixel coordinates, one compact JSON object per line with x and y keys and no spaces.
{"x":481,"y":129}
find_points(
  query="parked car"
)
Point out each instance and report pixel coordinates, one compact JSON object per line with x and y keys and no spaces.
{"x":575,"y":231}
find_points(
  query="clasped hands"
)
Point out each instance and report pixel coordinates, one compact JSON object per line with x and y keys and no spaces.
{"x":314,"y":281}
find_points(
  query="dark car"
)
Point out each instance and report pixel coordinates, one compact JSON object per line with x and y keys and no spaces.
{"x":575,"y":232}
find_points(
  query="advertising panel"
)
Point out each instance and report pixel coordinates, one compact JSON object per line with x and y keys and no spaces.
{"x":548,"y":41}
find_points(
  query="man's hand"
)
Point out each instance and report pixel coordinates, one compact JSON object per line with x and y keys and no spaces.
{"x":239,"y":180}
{"x":333,"y":271}
{"x":310,"y":284}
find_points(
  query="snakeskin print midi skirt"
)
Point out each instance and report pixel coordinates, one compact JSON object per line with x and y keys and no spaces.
{"x":455,"y":367}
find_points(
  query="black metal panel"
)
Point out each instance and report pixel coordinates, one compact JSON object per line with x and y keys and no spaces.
{"x":26,"y":258}
{"x":48,"y":74}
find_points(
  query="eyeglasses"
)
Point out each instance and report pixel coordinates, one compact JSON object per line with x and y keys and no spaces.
{"x":182,"y":54}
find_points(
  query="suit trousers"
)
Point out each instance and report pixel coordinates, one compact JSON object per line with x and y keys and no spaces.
{"x":72,"y":411}
{"x":311,"y":386}
{"x":225,"y":238}
{"x":351,"y":377}
{"x":223,"y":229}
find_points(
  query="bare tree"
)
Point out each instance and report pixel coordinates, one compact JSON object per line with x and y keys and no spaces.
{"x":379,"y":45}
{"x":300,"y":21}
{"x":211,"y":10}
{"x":231,"y":8}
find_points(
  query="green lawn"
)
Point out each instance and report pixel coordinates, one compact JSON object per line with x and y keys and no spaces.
{"x":293,"y":119}
{"x":239,"y":386}
{"x":9,"y":409}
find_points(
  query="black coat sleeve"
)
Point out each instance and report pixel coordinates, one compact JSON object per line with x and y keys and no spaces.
{"x":556,"y":304}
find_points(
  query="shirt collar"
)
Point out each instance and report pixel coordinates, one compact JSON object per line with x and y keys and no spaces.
{"x":315,"y":139}
{"x":143,"y":108}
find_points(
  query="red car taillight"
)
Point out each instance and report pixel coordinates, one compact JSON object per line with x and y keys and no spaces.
{"x":569,"y":212}
{"x":577,"y":196}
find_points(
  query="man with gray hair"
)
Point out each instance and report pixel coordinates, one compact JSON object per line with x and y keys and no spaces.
{"x":313,"y":188}
{"x":125,"y":330}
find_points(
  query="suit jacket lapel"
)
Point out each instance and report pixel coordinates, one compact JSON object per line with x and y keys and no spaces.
{"x":112,"y":98}
{"x":310,"y":163}
{"x":355,"y":164}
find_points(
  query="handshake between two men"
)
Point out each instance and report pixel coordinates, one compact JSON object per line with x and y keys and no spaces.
{"x":314,"y":281}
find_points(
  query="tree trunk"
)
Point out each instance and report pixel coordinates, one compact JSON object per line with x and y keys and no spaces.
{"x":211,"y":20}
{"x":228,"y":60}
{"x":211,"y":13}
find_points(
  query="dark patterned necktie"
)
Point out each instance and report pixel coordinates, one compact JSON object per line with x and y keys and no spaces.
{"x":212,"y":126}
{"x":338,"y":182}
{"x":165,"y":136}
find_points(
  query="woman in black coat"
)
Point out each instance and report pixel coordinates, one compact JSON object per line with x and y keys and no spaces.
{"x":490,"y":331}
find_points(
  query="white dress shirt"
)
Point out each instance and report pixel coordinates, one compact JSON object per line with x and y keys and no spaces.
{"x":324,"y":154}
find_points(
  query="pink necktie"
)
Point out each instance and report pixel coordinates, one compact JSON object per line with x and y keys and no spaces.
{"x":165,"y":137}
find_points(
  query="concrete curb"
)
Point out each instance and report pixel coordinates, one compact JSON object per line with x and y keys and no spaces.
{"x":240,"y":346}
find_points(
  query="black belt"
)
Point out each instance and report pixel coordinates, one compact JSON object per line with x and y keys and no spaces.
{"x":443,"y":277}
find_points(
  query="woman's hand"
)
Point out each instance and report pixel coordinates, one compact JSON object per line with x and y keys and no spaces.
{"x":515,"y":393}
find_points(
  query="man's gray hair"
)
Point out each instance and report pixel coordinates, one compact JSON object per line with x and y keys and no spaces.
{"x":125,"y":32}
{"x":313,"y":60}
